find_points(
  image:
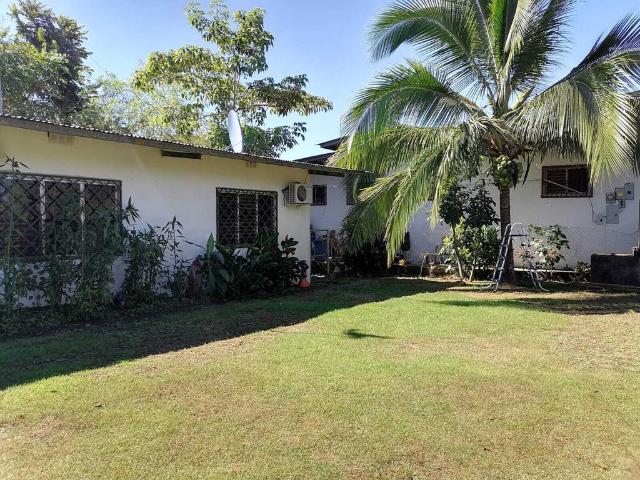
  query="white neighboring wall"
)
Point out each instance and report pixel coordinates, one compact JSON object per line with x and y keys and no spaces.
{"x":161,"y":187}
{"x":329,"y":216}
{"x":574,"y":215}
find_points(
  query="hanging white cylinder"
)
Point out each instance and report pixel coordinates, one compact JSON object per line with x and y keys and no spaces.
{"x":235,"y":131}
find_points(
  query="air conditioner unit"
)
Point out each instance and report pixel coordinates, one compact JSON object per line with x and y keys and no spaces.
{"x":299,"y":194}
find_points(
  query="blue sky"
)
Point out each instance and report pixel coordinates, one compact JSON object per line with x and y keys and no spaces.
{"x":326,"y":39}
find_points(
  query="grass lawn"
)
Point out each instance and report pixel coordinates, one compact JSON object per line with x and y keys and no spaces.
{"x":375,"y":379}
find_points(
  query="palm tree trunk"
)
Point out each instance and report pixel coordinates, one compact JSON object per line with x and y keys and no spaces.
{"x":505,"y":219}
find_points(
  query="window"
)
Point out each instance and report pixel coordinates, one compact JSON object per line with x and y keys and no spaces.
{"x":33,"y":208}
{"x":566,"y":181}
{"x":319,"y":195}
{"x":349,"y":185}
{"x":242,"y":215}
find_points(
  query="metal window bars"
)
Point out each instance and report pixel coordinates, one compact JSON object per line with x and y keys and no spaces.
{"x":242,"y":215}
{"x":32,"y":203}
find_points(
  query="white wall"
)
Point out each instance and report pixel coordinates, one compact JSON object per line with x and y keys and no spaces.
{"x":574,"y":215}
{"x":161,"y":187}
{"x":329,"y":216}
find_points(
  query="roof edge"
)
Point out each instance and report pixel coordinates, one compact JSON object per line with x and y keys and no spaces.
{"x":86,"y":132}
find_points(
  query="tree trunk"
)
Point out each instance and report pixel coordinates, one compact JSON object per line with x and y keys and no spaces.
{"x":457,"y":251}
{"x":509,"y":273}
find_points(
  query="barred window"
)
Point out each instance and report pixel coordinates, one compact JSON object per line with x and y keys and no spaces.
{"x":319,"y":195}
{"x":242,"y":215}
{"x":33,"y":209}
{"x":566,"y":181}
{"x":350,"y":187}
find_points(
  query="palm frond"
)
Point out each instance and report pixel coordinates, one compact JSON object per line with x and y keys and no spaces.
{"x":536,"y":40}
{"x":590,"y":106}
{"x":388,"y":150}
{"x":446,"y":32}
{"x":408,"y":94}
{"x":367,"y":218}
{"x":387,"y":207}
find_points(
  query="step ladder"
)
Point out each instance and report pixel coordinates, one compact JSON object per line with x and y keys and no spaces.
{"x":515,"y":230}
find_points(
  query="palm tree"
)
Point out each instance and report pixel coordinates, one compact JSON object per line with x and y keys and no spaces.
{"x":480,"y":101}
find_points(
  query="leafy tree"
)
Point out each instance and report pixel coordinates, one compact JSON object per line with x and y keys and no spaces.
{"x":48,"y":32}
{"x":470,"y":213}
{"x":480,"y":97}
{"x":161,"y":113}
{"x":216,"y":81}
{"x":452,"y":210}
{"x":28,"y":78}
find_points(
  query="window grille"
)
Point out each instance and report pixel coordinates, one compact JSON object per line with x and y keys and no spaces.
{"x":351,"y":189}
{"x":566,"y":181}
{"x":242,"y":215}
{"x":33,"y":205}
{"x":319,"y":195}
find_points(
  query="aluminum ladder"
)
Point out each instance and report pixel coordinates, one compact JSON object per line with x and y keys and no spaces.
{"x":511,"y":231}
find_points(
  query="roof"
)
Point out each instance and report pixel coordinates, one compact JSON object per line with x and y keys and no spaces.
{"x":317,"y":159}
{"x":86,"y":132}
{"x":332,"y":144}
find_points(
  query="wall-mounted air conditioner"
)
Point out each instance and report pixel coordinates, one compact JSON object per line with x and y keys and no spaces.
{"x":299,"y":194}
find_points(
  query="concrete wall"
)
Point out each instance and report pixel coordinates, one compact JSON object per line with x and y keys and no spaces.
{"x":329,"y":216}
{"x":574,"y":215}
{"x":161,"y":187}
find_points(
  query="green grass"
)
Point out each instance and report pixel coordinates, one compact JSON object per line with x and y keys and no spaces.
{"x":375,"y":379}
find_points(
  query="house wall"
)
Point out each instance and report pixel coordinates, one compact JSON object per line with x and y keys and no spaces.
{"x":574,"y":215}
{"x":330,"y":216}
{"x":161,"y":187}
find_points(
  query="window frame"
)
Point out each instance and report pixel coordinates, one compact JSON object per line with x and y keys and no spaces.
{"x":42,"y":180}
{"x":238,"y":192}
{"x":314,"y":203}
{"x":569,"y":193}
{"x":349,"y":187}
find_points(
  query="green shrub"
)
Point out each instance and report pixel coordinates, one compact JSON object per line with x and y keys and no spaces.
{"x":176,"y":269}
{"x":264,"y":268}
{"x":144,"y":259}
{"x":477,"y":248}
{"x":368,"y":261}
{"x":547,"y":244}
{"x":474,"y":241}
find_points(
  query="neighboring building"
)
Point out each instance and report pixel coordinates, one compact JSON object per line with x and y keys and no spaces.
{"x":601,"y":218}
{"x":230,"y":195}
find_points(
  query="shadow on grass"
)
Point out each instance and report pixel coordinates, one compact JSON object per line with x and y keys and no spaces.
{"x":25,"y":360}
{"x":595,"y":304}
{"x":356,"y":334}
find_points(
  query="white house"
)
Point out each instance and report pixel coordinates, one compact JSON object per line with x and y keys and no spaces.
{"x":602,"y":218}
{"x":209,"y":191}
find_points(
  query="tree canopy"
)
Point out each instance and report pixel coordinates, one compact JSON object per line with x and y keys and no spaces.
{"x":47,"y":32}
{"x":214,"y":81}
{"x":183,"y":94}
{"x":29,"y":79}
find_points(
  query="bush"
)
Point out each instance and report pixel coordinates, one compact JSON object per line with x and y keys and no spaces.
{"x":477,"y":248}
{"x":547,"y":244}
{"x":368,"y":261}
{"x":582,"y":273}
{"x":266,"y":268}
{"x":144,"y":259}
{"x":473,"y":242}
